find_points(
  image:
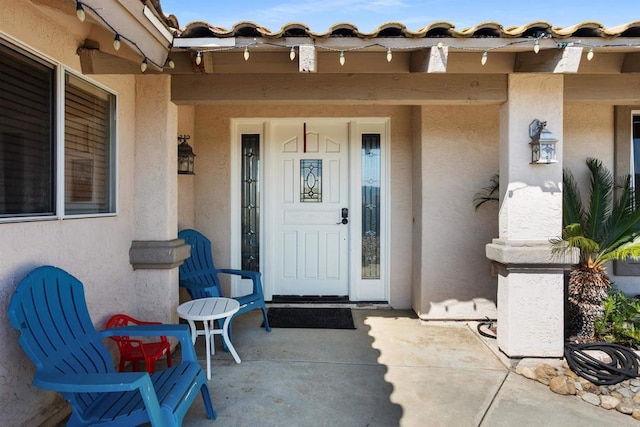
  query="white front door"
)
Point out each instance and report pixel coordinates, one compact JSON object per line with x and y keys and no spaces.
{"x":309,"y":207}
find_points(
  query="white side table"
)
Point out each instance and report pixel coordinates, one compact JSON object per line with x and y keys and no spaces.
{"x":207,"y":310}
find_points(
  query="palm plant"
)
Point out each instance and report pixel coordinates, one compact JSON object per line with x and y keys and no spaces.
{"x":605,"y":230}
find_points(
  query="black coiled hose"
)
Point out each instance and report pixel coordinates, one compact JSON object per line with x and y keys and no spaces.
{"x":624,"y":362}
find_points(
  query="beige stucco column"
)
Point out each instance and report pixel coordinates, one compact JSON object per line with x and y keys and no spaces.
{"x":530,"y":279}
{"x":155,"y":251}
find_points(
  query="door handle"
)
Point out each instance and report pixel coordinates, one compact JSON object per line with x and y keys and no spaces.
{"x":345,"y":216}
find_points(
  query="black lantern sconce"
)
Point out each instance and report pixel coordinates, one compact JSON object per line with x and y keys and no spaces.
{"x":185,"y":156}
{"x":543,"y":143}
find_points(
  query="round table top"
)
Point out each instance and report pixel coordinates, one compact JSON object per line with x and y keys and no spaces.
{"x":208,"y":308}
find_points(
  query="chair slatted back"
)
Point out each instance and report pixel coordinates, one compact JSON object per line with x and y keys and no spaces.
{"x":199,"y":267}
{"x":56,"y":331}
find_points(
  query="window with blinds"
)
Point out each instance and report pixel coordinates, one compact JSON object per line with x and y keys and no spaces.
{"x":88,"y":129}
{"x":28,"y":147}
{"x":27,"y":180}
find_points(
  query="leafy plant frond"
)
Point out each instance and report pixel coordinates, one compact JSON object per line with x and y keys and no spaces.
{"x":572,"y":208}
{"x":490,"y":193}
{"x":623,"y":226}
{"x":600,"y":199}
{"x":621,"y":320}
{"x":625,"y":252}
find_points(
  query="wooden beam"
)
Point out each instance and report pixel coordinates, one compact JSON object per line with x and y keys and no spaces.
{"x":94,"y":61}
{"x":631,"y":63}
{"x":565,"y":60}
{"x":602,"y":63}
{"x":618,"y":89}
{"x":402,"y":89}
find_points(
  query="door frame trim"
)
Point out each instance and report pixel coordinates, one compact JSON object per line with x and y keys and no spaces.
{"x":359,"y":289}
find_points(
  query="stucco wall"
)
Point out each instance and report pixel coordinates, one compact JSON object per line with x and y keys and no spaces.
{"x":459,"y":156}
{"x":94,"y":250}
{"x":212,"y":180}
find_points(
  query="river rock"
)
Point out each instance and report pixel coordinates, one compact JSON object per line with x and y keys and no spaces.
{"x":544,"y":373}
{"x":591,"y":398}
{"x":625,"y":406}
{"x":562,"y":385}
{"x":609,"y":402}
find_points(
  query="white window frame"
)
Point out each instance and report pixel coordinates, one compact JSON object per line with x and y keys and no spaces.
{"x":58,"y":183}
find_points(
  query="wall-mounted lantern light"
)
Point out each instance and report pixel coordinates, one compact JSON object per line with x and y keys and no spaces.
{"x":543,"y":143}
{"x":185,"y":156}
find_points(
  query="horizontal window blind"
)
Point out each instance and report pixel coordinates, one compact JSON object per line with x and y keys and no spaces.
{"x":88,"y":158}
{"x":27,"y":157}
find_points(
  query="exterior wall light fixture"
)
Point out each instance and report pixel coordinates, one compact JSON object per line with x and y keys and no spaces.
{"x":185,"y":156}
{"x":543,"y":143}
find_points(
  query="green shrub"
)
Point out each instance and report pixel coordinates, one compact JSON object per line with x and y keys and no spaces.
{"x":621,"y":321}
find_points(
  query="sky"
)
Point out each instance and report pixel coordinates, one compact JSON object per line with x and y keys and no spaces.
{"x":319,"y":15}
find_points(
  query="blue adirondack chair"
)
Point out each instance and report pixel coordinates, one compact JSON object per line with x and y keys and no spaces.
{"x":199,"y":276}
{"x":56,"y":332}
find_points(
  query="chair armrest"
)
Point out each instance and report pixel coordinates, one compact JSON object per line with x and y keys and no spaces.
{"x":90,"y":383}
{"x":253,"y":275}
{"x":181,"y":332}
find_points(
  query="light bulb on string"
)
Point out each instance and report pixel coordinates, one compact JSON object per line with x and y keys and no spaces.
{"x":440,"y":45}
{"x":484,"y":58}
{"x":198,"y":58}
{"x":143,"y":66}
{"x":292,"y":53}
{"x":536,"y":46}
{"x":342,"y":58}
{"x":389,"y":55}
{"x":171,"y":64}
{"x":246,"y":53}
{"x":590,"y":55}
{"x":80,"y":12}
{"x":116,"y":42}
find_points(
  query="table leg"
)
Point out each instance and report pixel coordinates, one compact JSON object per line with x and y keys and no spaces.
{"x":207,"y":340}
{"x":212,"y":332}
{"x":225,"y":337}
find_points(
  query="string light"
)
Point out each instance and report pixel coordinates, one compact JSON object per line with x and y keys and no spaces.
{"x":198,"y":58}
{"x":170,"y":63}
{"x":80,"y":12}
{"x":246,"y":53}
{"x":440,"y":45}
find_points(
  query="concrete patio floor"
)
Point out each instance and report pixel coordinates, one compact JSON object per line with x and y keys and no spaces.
{"x":393,"y":370}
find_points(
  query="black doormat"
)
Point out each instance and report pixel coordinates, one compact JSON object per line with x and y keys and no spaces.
{"x":319,"y":318}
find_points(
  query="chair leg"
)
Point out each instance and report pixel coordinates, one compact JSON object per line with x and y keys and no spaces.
{"x":121,"y":365}
{"x":208,"y":405}
{"x":266,"y":319}
{"x":150,"y":364}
